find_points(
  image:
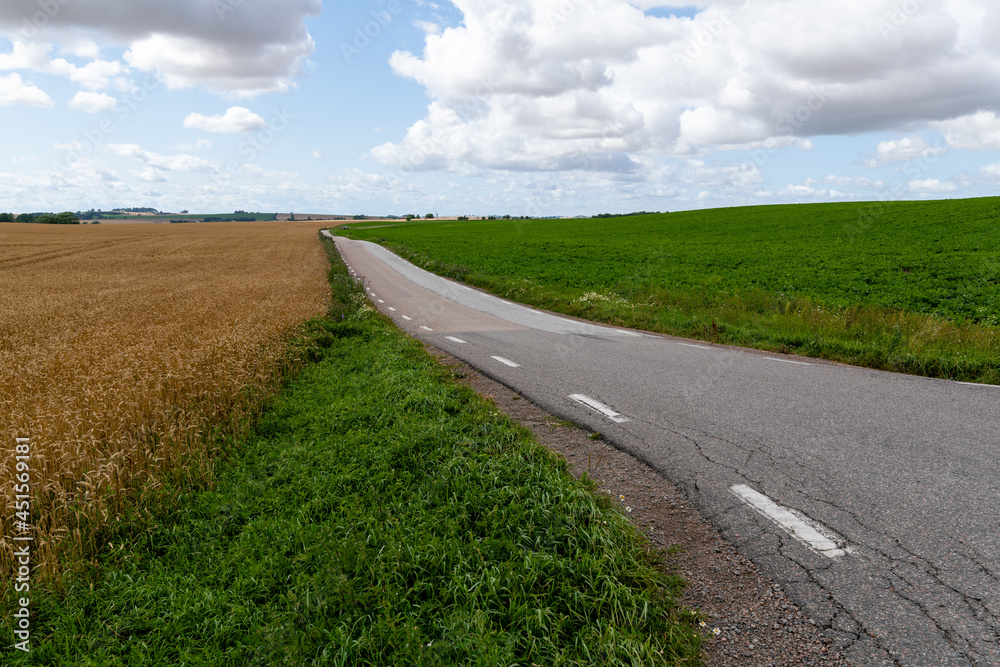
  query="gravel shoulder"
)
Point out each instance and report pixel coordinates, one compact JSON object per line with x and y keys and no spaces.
{"x":759,"y":626}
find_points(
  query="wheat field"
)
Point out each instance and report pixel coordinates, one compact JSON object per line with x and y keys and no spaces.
{"x":124,"y":348}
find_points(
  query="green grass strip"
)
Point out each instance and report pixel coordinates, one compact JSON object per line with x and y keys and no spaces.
{"x":380,"y":515}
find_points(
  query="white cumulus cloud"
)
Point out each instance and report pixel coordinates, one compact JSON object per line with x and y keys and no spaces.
{"x":92,"y":102}
{"x":904,"y":150}
{"x":242,"y":48}
{"x":234,"y":121}
{"x":975,"y":132}
{"x":15,"y":92}
{"x":181,"y":163}
{"x":932,"y":186}
{"x":592,"y":84}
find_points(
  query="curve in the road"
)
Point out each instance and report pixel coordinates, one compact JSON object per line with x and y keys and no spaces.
{"x":874,"y":498}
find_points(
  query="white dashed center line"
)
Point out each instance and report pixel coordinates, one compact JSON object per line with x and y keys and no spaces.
{"x":805,"y":530}
{"x":455,"y":340}
{"x":426,"y":328}
{"x":600,"y":407}
{"x":408,"y":319}
{"x":381,"y":301}
{"x":392,"y":309}
{"x":788,"y":361}
{"x":507,"y":362}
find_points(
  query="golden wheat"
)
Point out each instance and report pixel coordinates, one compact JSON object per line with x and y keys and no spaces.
{"x":124,"y":347}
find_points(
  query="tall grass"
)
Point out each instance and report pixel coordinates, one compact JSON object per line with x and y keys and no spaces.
{"x":125,"y":349}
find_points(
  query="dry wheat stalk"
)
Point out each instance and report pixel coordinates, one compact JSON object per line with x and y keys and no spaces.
{"x":123,"y":346}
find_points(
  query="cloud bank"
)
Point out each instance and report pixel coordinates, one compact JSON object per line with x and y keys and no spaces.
{"x":236,"y":47}
{"x":594,"y":84}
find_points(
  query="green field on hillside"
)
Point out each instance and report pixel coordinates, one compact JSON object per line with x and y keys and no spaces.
{"x":908,"y":286}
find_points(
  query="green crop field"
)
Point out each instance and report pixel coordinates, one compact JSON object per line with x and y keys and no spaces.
{"x":906,"y":286}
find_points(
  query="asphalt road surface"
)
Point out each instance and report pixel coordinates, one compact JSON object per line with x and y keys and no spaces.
{"x":873,"y":498}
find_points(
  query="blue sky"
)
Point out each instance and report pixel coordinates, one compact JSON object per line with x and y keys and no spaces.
{"x":524,"y":107}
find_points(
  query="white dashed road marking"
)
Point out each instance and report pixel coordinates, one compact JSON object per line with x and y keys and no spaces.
{"x":507,"y":362}
{"x":700,"y":347}
{"x":408,"y":319}
{"x":455,"y":340}
{"x":805,"y":530}
{"x":426,"y":328}
{"x":788,"y":361}
{"x":600,"y":407}
{"x":392,"y":309}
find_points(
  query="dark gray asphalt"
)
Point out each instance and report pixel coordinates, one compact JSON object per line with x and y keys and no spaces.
{"x":902,"y":472}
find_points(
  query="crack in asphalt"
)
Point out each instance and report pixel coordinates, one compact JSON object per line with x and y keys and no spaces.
{"x":976,"y":606}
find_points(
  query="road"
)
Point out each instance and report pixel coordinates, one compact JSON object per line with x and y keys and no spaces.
{"x":873,"y":498}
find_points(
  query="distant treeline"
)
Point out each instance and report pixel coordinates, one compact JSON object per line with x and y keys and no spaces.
{"x":240,"y":216}
{"x":65,"y":218}
{"x":95,"y":215}
{"x":625,"y":215}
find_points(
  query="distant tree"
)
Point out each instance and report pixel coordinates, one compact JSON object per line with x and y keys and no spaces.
{"x":410,"y":216}
{"x":624,"y":215}
{"x":291,"y":218}
{"x":6,"y":217}
{"x":429,"y":216}
{"x":463,"y":217}
{"x":184,"y":212}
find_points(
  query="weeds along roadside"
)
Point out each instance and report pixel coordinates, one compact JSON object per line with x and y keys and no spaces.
{"x":862,"y":335}
{"x":379,"y":514}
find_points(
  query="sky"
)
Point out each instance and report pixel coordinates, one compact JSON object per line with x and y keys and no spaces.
{"x":492,"y":107}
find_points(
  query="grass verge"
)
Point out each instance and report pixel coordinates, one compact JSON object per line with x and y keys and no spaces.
{"x":379,"y":515}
